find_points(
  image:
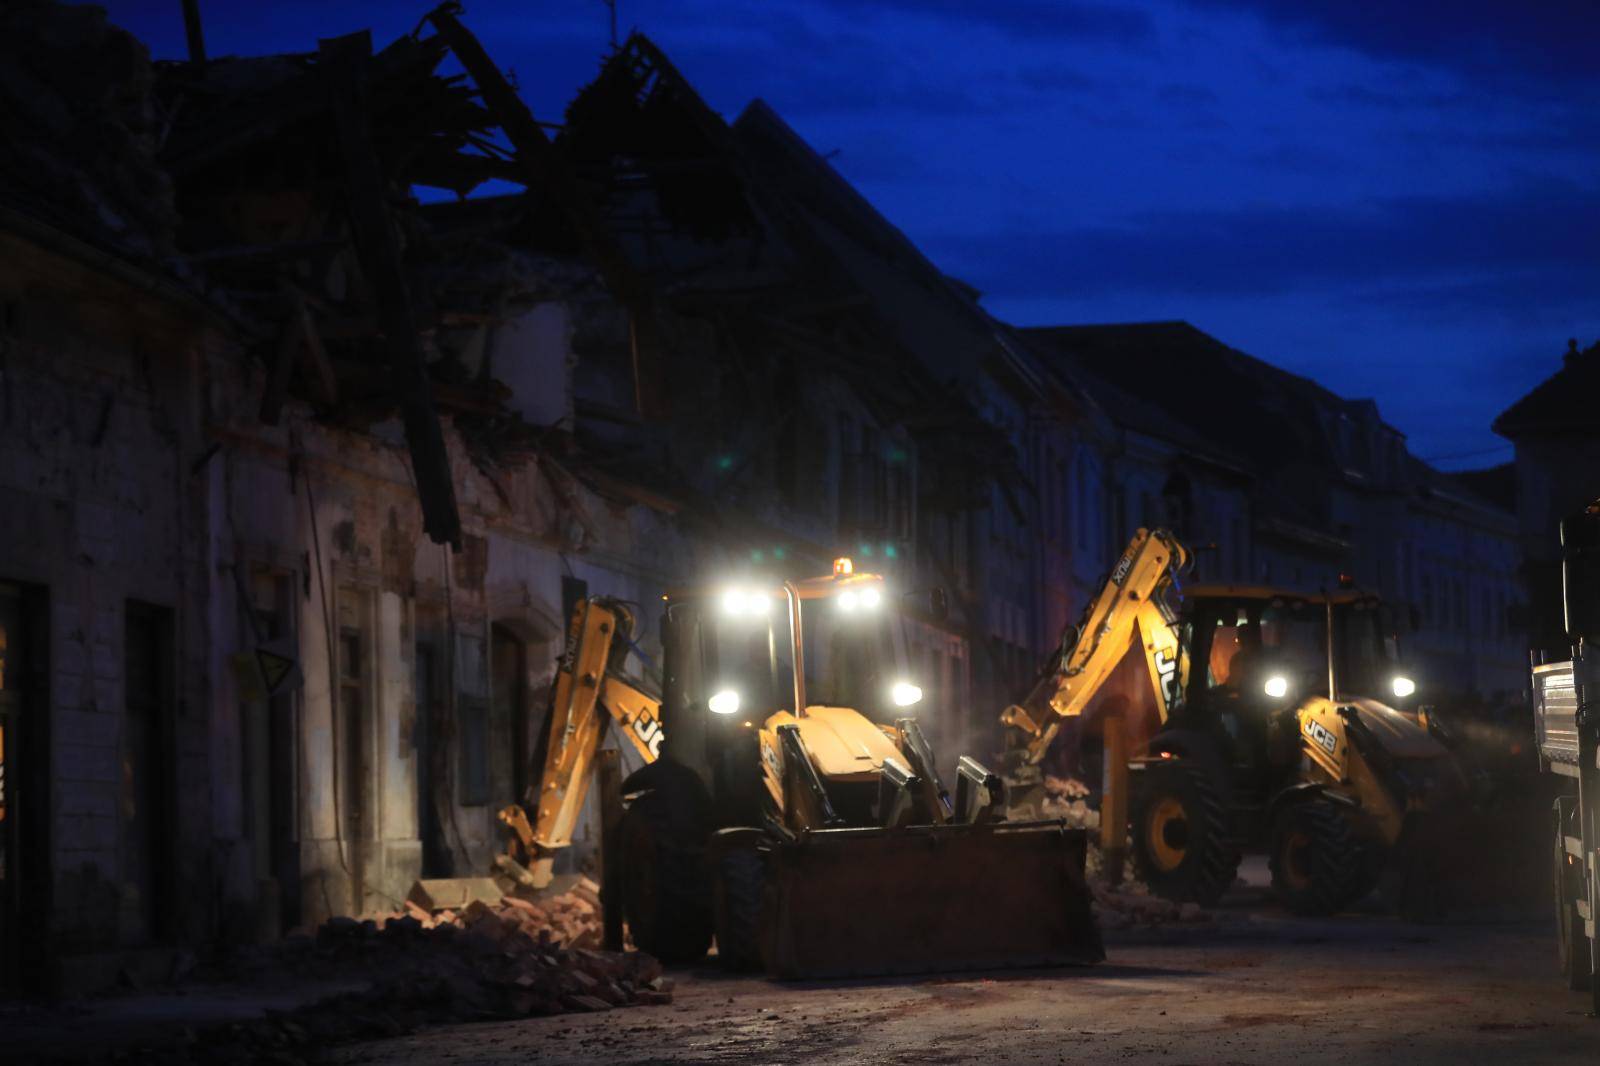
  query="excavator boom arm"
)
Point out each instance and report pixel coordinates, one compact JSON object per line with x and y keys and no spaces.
{"x":590,"y":691}
{"x":1130,"y":606}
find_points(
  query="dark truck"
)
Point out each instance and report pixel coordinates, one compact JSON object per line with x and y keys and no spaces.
{"x":1566,"y":700}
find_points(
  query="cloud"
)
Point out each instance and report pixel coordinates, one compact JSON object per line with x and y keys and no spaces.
{"x":1073,"y":20}
{"x":1548,"y":231}
{"x":1526,"y":47}
{"x":1521,"y":297}
{"x":1186,"y":95}
{"x":1392,"y":99}
{"x":1056,"y":78}
{"x":1287,"y":157}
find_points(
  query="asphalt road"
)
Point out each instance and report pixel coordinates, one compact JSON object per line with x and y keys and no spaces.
{"x":1259,"y":986}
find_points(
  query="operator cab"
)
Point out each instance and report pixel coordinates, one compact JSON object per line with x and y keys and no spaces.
{"x":730,"y":664}
{"x":1257,"y":655}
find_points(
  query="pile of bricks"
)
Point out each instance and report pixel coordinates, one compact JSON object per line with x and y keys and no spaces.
{"x":488,"y":960}
{"x":571,"y":918}
{"x":501,"y":961}
{"x":538,"y":956}
{"x":1126,"y":905}
{"x":1130,"y":905}
{"x":1067,"y":798}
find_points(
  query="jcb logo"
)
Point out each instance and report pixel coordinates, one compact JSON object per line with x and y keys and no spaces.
{"x":1167,"y":671}
{"x":1320,"y":733}
{"x":649,"y":733}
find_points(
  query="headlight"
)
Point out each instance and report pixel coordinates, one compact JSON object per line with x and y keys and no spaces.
{"x":1404,"y":686}
{"x":1277,"y":686}
{"x":904,"y":694}
{"x":865,"y":599}
{"x":724,"y":702}
{"x":744,"y":603}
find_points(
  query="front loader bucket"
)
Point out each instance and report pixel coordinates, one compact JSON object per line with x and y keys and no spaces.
{"x":852,"y":902}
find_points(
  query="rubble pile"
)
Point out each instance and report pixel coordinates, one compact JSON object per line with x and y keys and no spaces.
{"x":1130,"y":905}
{"x":504,"y":957}
{"x":497,"y":961}
{"x":1067,"y":798}
{"x":1126,"y":905}
{"x":510,"y":958}
{"x":571,"y":918}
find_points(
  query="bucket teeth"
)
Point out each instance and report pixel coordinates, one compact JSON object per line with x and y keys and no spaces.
{"x":897,"y":794}
{"x":980,"y":793}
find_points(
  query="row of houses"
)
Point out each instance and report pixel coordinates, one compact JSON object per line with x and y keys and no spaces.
{"x":301,"y":473}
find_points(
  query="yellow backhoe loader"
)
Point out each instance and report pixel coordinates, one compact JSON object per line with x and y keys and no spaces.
{"x":790,"y":807}
{"x":1284,"y":718}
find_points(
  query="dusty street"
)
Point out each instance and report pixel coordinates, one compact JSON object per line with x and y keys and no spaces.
{"x":1260,"y":987}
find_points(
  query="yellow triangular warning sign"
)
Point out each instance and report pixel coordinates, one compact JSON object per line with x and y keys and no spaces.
{"x":275,"y":669}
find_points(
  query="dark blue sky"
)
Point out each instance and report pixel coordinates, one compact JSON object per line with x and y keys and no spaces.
{"x":1397,"y":205}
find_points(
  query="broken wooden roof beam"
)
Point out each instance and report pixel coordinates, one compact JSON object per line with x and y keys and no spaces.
{"x":344,"y":63}
{"x":544,"y":166}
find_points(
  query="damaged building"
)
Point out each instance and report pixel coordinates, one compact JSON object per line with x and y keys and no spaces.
{"x":303,"y":474}
{"x":1337,"y":493}
{"x":331,"y":382}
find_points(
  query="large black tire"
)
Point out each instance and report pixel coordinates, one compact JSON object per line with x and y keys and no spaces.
{"x":664,"y":889}
{"x":741,"y":879}
{"x":1182,"y":845}
{"x":1571,"y":940}
{"x":1319,"y":865}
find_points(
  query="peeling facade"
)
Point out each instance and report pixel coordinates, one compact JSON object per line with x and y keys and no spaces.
{"x":300,"y":476}
{"x":301,"y":482}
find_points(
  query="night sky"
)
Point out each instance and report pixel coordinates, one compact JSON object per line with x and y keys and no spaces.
{"x":1398,"y":206}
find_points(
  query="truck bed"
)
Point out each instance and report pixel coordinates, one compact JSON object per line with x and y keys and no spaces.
{"x":1555,"y":709}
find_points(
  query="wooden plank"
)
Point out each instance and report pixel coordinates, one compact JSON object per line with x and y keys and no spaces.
{"x":545,"y":167}
{"x":608,"y":778}
{"x":323,"y":381}
{"x":343,"y":62}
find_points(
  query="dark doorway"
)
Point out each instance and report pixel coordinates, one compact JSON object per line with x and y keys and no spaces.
{"x":353,"y":760}
{"x":433,"y":767}
{"x":508,"y":658}
{"x":24,"y":782}
{"x":148,"y":785}
{"x":270,"y":729}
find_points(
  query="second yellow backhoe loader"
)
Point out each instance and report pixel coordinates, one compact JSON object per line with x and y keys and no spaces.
{"x":1284,"y":719}
{"x":790,"y":807}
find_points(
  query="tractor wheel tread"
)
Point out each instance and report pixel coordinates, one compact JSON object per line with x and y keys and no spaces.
{"x":741,"y":881}
{"x":1340,"y":872}
{"x":1211,"y":872}
{"x":663,"y":886}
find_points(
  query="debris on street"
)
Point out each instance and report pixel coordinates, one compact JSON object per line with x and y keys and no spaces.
{"x":571,"y":918}
{"x":509,"y":958}
{"x":514,"y":958}
{"x":1067,"y":798}
{"x":1128,"y":904}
